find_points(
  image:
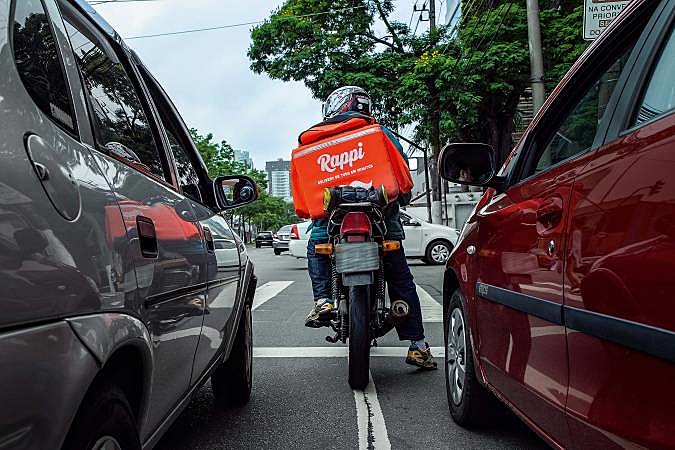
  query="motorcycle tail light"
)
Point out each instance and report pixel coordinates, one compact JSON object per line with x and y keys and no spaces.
{"x":355,"y":223}
{"x":294,"y":232}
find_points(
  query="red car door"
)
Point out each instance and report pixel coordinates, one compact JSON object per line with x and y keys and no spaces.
{"x":620,"y":301}
{"x":523,"y":236}
{"x":519,"y":311}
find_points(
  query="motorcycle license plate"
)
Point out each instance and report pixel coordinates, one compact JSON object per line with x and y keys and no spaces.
{"x":357,"y":257}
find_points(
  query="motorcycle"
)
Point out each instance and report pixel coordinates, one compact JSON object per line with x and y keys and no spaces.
{"x":356,"y":247}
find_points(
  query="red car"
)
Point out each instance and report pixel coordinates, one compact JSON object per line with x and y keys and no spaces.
{"x":560,"y":294}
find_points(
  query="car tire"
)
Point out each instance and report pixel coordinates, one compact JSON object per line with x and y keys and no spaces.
{"x":277,"y":252}
{"x":232,"y":382}
{"x":469,"y":401}
{"x":437,"y":252}
{"x":257,"y":245}
{"x":104,"y":420}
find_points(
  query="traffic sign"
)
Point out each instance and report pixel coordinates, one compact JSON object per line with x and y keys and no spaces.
{"x":598,"y":14}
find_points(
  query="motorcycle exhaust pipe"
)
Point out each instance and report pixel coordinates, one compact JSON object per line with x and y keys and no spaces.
{"x":399,"y":310}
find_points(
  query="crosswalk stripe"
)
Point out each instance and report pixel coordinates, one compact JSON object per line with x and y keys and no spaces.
{"x":332,"y":352}
{"x":432,"y":311}
{"x":268,"y":291}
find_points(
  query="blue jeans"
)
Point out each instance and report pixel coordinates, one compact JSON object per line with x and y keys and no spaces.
{"x":399,"y":280}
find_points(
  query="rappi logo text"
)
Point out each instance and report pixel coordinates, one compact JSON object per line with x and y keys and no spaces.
{"x":330,"y":163}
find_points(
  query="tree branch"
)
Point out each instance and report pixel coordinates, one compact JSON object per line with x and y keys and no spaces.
{"x":382,"y":41}
{"x":394,"y":36}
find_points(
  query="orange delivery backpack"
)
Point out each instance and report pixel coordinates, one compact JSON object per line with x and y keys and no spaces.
{"x":345,"y":154}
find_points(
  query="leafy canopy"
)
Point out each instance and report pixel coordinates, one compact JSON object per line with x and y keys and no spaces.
{"x":469,"y":80}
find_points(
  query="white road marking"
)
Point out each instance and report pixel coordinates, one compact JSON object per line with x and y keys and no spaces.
{"x":333,"y":352}
{"x":370,"y":420}
{"x":432,"y":311}
{"x":268,"y":291}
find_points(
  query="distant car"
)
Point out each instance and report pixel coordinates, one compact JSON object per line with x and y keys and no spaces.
{"x":123,"y":288}
{"x":423,"y":240}
{"x":432,"y":243}
{"x":264,"y":238}
{"x":227,"y":252}
{"x":300,"y":233}
{"x":280,"y":243}
{"x":559,"y":296}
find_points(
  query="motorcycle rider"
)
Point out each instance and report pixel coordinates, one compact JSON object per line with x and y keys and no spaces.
{"x":343,"y":104}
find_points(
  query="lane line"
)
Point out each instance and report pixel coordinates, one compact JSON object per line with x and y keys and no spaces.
{"x":370,"y":420}
{"x":268,"y":291}
{"x":432,"y":311}
{"x":333,"y":352}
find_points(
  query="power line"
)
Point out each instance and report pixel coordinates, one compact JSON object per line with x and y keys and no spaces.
{"x":106,"y":2}
{"x":242,"y":24}
{"x":421,"y":11}
{"x":489,"y":44}
{"x":412,"y":14}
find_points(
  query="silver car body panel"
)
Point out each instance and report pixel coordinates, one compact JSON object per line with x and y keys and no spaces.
{"x":70,"y":257}
{"x":50,"y":369}
{"x":105,"y":333}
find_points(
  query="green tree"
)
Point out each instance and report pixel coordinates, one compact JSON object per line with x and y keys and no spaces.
{"x":470,"y":80}
{"x":218,"y":157}
{"x":265,"y":213}
{"x":269,"y":213}
{"x":327,"y":44}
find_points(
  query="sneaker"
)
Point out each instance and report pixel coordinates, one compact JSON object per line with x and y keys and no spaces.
{"x":320,"y":315}
{"x":420,"y":358}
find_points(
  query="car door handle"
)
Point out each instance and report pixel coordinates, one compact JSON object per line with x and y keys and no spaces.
{"x":549,"y":214}
{"x":208,"y":237}
{"x":147,"y":237}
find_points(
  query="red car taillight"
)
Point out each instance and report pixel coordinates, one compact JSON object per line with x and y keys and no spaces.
{"x":355,"y":223}
{"x":294,"y":232}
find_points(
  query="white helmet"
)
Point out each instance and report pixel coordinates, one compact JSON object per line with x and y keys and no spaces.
{"x":347,"y":98}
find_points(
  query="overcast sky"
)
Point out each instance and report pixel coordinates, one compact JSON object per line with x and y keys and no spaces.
{"x":207,"y":74}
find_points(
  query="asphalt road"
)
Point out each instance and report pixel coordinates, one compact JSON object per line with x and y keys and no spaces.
{"x":301,"y":399}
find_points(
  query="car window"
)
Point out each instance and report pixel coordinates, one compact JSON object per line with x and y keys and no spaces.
{"x":578,"y":129}
{"x":659,"y":97}
{"x":38,"y":62}
{"x":120,"y":124}
{"x":187,"y":175}
{"x":223,"y":244}
{"x":409,"y":221}
{"x":285,"y":229}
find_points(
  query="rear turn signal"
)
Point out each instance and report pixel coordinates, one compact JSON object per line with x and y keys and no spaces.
{"x":390,"y":246}
{"x":323,"y":249}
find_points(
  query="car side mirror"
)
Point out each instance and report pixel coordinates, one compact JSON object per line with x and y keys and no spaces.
{"x":471,"y":164}
{"x":233,"y":191}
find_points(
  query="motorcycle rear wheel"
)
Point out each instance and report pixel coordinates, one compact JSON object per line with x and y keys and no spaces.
{"x":359,"y":336}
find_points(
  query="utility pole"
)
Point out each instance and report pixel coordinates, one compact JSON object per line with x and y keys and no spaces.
{"x":432,"y":15}
{"x":436,"y":211}
{"x":536,"y":58}
{"x":427,"y":188}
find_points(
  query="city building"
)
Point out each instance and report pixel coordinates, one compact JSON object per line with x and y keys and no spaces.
{"x":244,"y":157}
{"x":279,"y":179}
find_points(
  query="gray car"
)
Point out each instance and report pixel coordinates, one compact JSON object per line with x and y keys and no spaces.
{"x":122,"y":289}
{"x":283,"y":237}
